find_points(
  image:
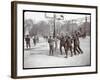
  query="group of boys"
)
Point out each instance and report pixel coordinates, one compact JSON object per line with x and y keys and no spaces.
{"x":66,"y":42}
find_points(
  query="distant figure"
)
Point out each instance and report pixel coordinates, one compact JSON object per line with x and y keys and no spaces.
{"x":51,"y":45}
{"x":27,"y":39}
{"x":34,"y":40}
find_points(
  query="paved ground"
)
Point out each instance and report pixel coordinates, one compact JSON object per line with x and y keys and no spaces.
{"x":38,"y":56}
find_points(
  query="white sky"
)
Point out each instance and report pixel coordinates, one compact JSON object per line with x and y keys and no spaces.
{"x":38,"y":16}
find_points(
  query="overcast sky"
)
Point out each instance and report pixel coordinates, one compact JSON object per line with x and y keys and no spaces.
{"x":38,"y":16}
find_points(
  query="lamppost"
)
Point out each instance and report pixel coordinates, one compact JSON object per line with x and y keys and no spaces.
{"x":54,"y":20}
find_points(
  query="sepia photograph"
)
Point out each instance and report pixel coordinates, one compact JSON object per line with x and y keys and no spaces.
{"x":56,"y":39}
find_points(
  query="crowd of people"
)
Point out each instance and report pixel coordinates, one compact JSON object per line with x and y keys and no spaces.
{"x":68,"y":42}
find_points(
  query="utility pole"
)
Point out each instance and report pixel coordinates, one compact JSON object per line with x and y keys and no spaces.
{"x":54,"y":18}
